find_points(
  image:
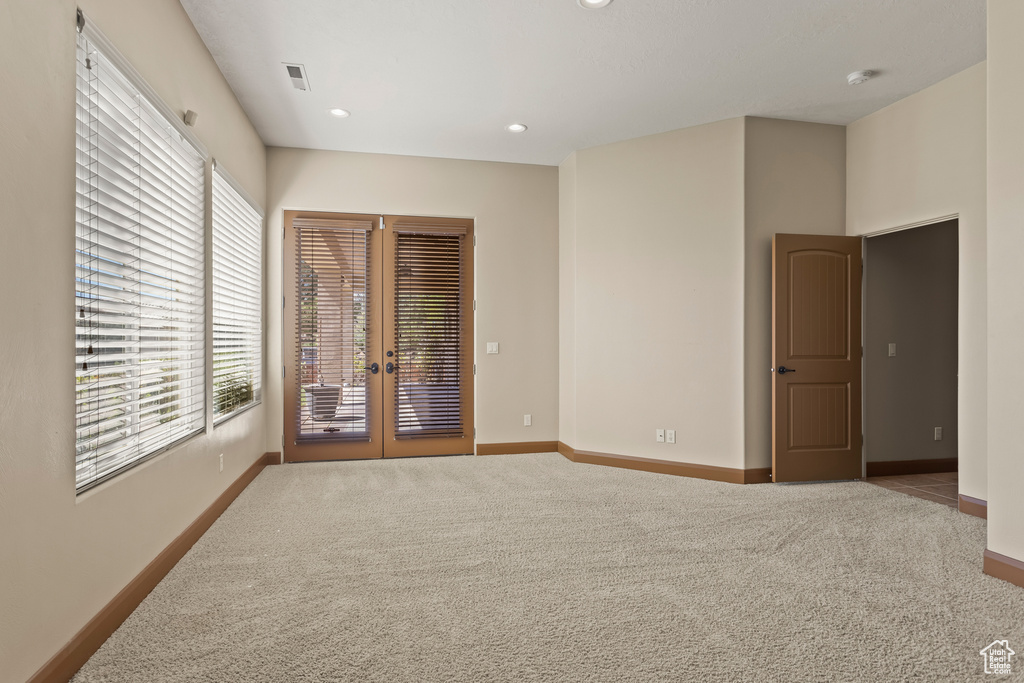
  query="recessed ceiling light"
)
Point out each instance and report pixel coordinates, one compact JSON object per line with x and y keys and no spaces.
{"x":515,"y":128}
{"x":858,"y":77}
{"x":593,"y":4}
{"x":340,"y":113}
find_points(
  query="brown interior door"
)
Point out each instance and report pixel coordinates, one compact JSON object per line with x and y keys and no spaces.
{"x":378,"y":329}
{"x":816,"y":358}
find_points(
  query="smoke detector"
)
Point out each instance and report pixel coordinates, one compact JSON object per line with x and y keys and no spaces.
{"x":858,"y":77}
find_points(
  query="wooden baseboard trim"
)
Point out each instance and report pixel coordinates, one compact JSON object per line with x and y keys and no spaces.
{"x":897,"y":467}
{"x":757,"y":475}
{"x":66,"y":663}
{"x":274,"y":458}
{"x":567,"y":450}
{"x":517,"y":447}
{"x":1005,"y":568}
{"x":973,"y":506}
{"x":680,"y":469}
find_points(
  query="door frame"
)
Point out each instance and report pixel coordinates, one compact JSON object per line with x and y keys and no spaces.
{"x":470,"y":294}
{"x":864,"y":321}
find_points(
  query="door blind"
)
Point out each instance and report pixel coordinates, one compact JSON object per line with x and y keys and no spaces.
{"x":237,"y":300}
{"x":139,"y":274}
{"x":333,"y":300}
{"x":428,"y":323}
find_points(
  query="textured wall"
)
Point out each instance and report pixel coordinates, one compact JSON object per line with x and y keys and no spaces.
{"x":794,"y":182}
{"x":64,"y":557}
{"x":921,"y":159}
{"x":659,"y":295}
{"x":567,"y":301}
{"x":1006,"y":305}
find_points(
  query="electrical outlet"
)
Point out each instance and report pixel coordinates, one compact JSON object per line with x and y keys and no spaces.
{"x":659,"y":435}
{"x":527,"y":420}
{"x":670,"y":435}
{"x":938,"y":433}
{"x":221,"y":462}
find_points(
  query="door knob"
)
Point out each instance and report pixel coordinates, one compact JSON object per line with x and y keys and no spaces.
{"x":783,"y":370}
{"x":374,"y":368}
{"x":389,"y":368}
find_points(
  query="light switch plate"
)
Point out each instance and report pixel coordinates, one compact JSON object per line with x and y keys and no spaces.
{"x":527,"y":420}
{"x":892,"y":350}
{"x":670,"y":435}
{"x":492,"y":347}
{"x":659,"y":435}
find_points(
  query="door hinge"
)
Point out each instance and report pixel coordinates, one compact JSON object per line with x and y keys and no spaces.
{"x":474,"y":244}
{"x":474,"y":432}
{"x":474,"y":304}
{"x":474,"y":368}
{"x":282,"y":441}
{"x":282,"y":232}
{"x":282,"y":372}
{"x":282,"y":303}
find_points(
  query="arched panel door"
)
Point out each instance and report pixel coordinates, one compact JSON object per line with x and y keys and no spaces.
{"x":816,"y":358}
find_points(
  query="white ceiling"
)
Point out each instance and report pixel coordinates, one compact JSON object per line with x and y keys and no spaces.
{"x":442,"y":78}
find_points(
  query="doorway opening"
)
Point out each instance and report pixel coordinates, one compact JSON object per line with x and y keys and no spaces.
{"x":910,"y":360}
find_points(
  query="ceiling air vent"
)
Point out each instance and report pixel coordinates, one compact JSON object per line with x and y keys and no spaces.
{"x":298,"y":76}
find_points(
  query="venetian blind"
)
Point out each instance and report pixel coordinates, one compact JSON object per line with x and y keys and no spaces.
{"x":333,"y":295}
{"x":139,"y":321}
{"x":428,"y":325}
{"x":237,"y":299}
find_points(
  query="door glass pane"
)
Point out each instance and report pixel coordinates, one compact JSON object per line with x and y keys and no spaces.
{"x":333,"y":273}
{"x":428,"y":325}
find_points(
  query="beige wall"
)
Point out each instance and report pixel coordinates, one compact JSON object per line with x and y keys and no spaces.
{"x":910,"y":289}
{"x":918,"y":160}
{"x":65,"y":557}
{"x":567,"y":300}
{"x":1005,"y":285}
{"x":795,"y":182}
{"x":516,"y":263}
{"x":659,"y":295}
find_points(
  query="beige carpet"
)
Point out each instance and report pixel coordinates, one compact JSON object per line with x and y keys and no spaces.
{"x":532,"y":568}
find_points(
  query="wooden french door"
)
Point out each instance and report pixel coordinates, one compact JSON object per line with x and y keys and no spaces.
{"x":378,"y":326}
{"x":816,"y":358}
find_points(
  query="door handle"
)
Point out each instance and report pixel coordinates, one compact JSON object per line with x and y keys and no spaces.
{"x":783,"y":370}
{"x":374,"y":368}
{"x":389,"y":368}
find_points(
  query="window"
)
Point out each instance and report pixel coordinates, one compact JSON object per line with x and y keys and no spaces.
{"x":237,"y":299}
{"x":139,"y":262}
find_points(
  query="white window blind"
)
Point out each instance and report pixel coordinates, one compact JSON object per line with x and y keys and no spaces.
{"x":237,"y":300}
{"x":139,"y":260}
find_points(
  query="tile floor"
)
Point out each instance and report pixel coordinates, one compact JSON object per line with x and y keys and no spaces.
{"x":940,"y":487}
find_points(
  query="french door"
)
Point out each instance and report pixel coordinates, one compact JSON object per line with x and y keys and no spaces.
{"x":378,"y":326}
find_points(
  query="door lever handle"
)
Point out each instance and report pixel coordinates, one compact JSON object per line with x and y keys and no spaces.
{"x":783,"y":370}
{"x":374,"y":369}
